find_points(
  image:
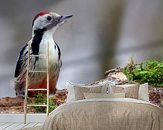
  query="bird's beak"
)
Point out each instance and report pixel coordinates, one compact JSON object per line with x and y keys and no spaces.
{"x":65,"y":18}
{"x":59,"y":21}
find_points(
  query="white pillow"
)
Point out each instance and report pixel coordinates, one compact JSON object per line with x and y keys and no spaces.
{"x":70,"y":89}
{"x":143,"y":92}
{"x":80,"y":90}
{"x":103,"y":95}
{"x":71,"y":93}
{"x":107,"y":88}
{"x":131,"y":90}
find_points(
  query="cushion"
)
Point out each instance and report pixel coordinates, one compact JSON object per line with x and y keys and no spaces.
{"x":143,"y":92}
{"x":103,"y":95}
{"x":131,"y":90}
{"x":79,"y":91}
{"x":70,"y":88}
{"x":107,"y":88}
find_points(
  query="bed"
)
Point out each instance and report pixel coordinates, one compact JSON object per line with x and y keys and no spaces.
{"x":105,"y":113}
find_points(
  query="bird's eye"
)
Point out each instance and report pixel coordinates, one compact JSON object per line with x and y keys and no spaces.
{"x":49,"y":18}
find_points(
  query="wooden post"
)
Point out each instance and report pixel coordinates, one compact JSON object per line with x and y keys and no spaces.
{"x":47,"y":109}
{"x":26,"y":86}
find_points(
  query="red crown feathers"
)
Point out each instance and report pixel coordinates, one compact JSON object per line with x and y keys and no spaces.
{"x":39,"y":14}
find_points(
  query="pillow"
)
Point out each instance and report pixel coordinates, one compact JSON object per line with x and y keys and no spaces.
{"x":107,"y":88}
{"x":131,"y":90}
{"x":103,"y":95}
{"x":143,"y":92}
{"x":79,"y":91}
{"x":70,"y":88}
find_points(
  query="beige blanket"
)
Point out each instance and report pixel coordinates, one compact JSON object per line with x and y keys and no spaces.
{"x":105,"y":114}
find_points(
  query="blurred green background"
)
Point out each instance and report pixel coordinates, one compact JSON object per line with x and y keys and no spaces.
{"x":103,"y":34}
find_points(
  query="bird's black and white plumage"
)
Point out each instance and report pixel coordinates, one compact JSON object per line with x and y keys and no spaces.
{"x":43,"y":28}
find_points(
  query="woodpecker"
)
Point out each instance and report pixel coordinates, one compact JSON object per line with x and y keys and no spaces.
{"x":43,"y":27}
